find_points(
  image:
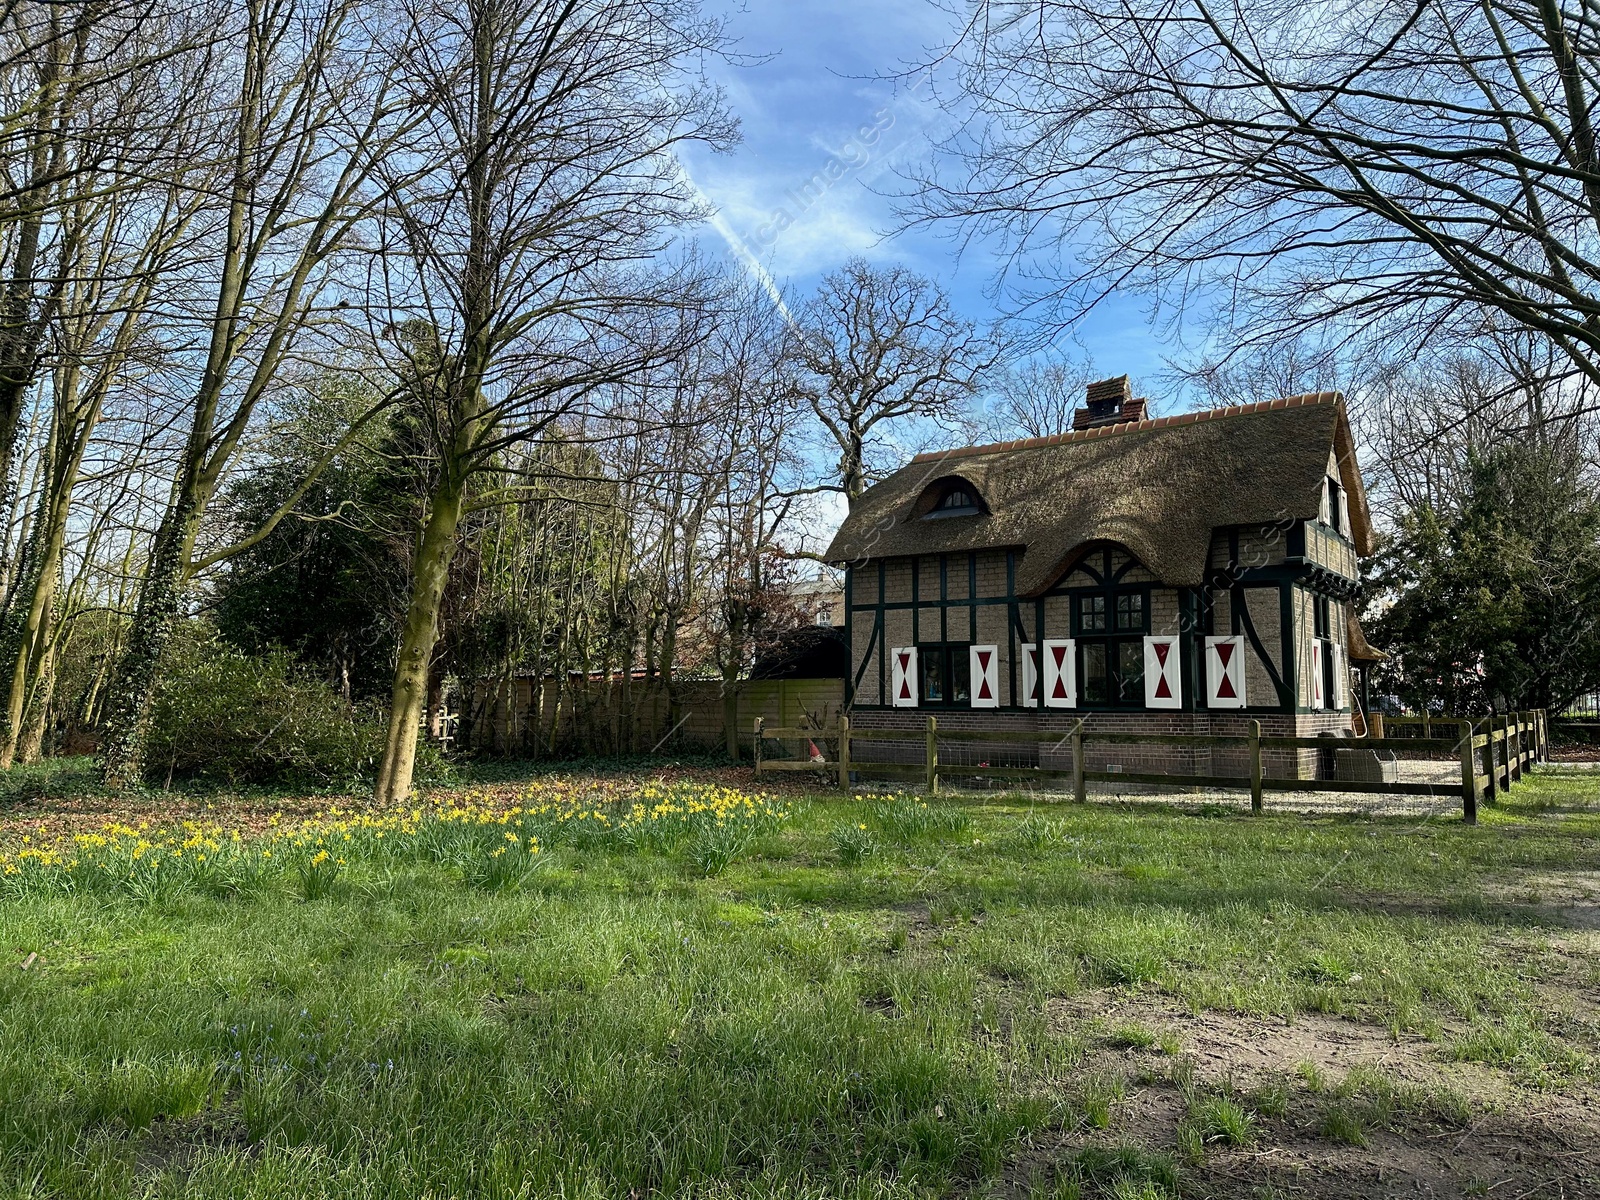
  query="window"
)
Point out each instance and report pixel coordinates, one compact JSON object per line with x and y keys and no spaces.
{"x":1335,"y":506}
{"x":825,"y":615}
{"x":1130,"y":672}
{"x":1110,"y":626}
{"x":958,"y":500}
{"x":1093,"y":687}
{"x":1322,"y":620}
{"x":946,"y":673}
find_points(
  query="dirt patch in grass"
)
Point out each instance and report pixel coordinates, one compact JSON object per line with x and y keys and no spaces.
{"x":178,"y":1144}
{"x":1571,"y":898}
{"x":1337,"y":1109}
{"x":1247,"y":1050}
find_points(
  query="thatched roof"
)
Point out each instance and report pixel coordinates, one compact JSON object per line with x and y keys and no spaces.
{"x":1158,"y":487}
{"x":1361,"y":650}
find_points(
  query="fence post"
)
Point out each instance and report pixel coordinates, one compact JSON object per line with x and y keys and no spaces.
{"x":931,"y":763}
{"x":1427,"y":725}
{"x":1544,"y":735}
{"x":1079,"y":792}
{"x":1505,"y":748}
{"x":1489,"y":761}
{"x":1521,"y":745}
{"x":1514,"y":744}
{"x":1469,"y":777}
{"x":757,"y":753}
{"x":844,"y":752}
{"x":1255,"y":766}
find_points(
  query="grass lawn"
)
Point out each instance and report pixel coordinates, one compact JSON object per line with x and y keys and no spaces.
{"x":982,"y":997}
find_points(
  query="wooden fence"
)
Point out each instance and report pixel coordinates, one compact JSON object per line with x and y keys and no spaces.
{"x":1493,"y":753}
{"x":575,"y":715}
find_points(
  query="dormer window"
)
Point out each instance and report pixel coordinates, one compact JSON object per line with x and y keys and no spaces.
{"x":956,"y":498}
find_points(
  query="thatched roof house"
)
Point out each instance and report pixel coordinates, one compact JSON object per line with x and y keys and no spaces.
{"x":1198,"y":563}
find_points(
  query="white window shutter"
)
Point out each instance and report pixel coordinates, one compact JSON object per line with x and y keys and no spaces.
{"x":1341,"y":678}
{"x":1325,"y":506}
{"x":1060,"y":672}
{"x":1163,"y":681}
{"x":985,"y":661}
{"x":1344,"y":513}
{"x":1027,"y":696}
{"x":1318,"y":700}
{"x":1225,"y":672}
{"x":903,"y":677}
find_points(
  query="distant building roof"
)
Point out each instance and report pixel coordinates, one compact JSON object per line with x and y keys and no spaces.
{"x":1159,"y":487}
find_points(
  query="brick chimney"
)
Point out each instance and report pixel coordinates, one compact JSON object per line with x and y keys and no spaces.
{"x":1109,"y":402}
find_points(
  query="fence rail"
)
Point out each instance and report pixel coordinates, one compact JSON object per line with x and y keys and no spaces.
{"x":1493,"y":757}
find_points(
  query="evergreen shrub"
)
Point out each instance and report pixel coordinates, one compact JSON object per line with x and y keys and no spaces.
{"x":224,"y":716}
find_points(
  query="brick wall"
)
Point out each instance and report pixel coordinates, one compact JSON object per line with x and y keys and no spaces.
{"x":1131,"y":757}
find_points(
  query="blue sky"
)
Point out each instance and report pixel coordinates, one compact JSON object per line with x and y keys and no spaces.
{"x":816,"y":102}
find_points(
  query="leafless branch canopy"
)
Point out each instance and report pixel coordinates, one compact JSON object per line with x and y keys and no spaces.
{"x":1427,"y":167}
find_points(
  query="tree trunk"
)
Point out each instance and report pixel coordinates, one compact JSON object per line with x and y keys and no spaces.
{"x":155,"y":618}
{"x":30,"y":626}
{"x":31,"y":744}
{"x":417,"y":640}
{"x":31,"y":662}
{"x":732,"y":665}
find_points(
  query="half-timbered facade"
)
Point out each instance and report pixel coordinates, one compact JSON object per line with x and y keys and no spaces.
{"x":1183,"y":574}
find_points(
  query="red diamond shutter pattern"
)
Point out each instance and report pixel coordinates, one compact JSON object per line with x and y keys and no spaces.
{"x":985,"y":676}
{"x":1225,"y":671}
{"x":1161,"y":685}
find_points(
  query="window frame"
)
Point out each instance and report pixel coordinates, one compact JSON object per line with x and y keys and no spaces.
{"x":955,"y":662}
{"x":1335,"y":513}
{"x":942,"y":508}
{"x":1123,"y":690}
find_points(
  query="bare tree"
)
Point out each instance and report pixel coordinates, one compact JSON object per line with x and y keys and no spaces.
{"x":1038,"y":398}
{"x":876,"y":347}
{"x":116,"y":244}
{"x":757,"y":462}
{"x":84,"y":88}
{"x":547,"y":168}
{"x":1419,"y":169}
{"x":1426,"y":422}
{"x":300,"y":119}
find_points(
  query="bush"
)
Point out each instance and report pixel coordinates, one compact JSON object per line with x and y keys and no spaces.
{"x":235,"y":718}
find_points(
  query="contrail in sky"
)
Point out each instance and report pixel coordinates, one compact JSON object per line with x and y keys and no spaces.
{"x":742,"y":252}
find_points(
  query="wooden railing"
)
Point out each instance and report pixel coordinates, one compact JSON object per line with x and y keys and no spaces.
{"x":1492,"y":759}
